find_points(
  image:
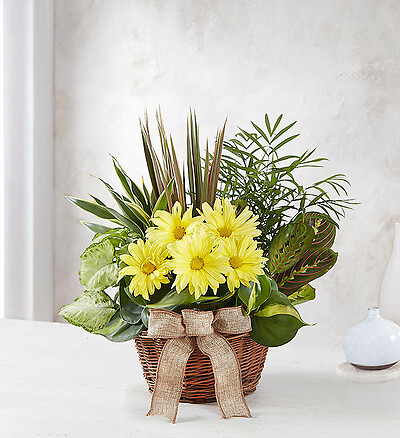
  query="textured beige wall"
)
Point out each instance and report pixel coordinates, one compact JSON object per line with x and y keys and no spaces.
{"x":332,"y":65}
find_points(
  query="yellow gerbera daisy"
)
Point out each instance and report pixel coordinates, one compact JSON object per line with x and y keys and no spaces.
{"x":198,"y":264}
{"x":245,"y":261}
{"x":146,"y":264}
{"x":172,"y":227}
{"x":222,"y":222}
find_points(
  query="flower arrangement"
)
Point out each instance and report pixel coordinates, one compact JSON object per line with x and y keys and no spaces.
{"x":233,"y":230}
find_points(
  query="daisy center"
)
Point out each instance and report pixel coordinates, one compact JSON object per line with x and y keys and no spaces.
{"x":179,"y":232}
{"x":148,"y":267}
{"x":224,"y":231}
{"x":235,"y":262}
{"x":196,"y":263}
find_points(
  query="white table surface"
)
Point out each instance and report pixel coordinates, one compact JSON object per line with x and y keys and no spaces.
{"x":58,"y":381}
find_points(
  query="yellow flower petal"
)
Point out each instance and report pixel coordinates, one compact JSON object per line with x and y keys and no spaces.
{"x":146,"y":265}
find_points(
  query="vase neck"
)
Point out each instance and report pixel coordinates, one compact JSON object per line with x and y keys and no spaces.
{"x":373,"y":312}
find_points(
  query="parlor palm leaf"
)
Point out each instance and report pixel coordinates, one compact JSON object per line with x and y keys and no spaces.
{"x":256,"y":173}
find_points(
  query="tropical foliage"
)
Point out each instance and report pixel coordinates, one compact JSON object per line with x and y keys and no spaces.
{"x":232,"y":228}
{"x":255,"y":172}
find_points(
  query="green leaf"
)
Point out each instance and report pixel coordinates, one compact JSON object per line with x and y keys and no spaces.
{"x":267,"y":180}
{"x":91,"y":207}
{"x":253,"y":297}
{"x":145,"y":316}
{"x":104,"y":212}
{"x":129,"y":212}
{"x":323,"y":226}
{"x":161,"y":203}
{"x":276,"y":330}
{"x":91,"y":311}
{"x":314,"y":264}
{"x":118,"y":330}
{"x":277,"y":321}
{"x":96,"y":228}
{"x":304,"y":294}
{"x":130,"y":311}
{"x":98,"y":270}
{"x":131,"y":189}
{"x":289,"y":245}
{"x":117,"y":236}
{"x":173,"y":300}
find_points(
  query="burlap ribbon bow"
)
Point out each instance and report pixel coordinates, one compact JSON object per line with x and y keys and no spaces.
{"x":183,"y":332}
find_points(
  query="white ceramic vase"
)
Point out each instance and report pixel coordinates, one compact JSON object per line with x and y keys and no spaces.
{"x":373,"y":343}
{"x":389,"y":297}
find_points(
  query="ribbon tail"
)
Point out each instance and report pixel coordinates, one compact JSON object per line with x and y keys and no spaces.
{"x":227,"y":375}
{"x":169,"y":379}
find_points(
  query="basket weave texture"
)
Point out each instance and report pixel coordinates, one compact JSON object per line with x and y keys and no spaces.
{"x":199,"y":383}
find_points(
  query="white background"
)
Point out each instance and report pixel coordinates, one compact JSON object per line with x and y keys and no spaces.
{"x":332,"y":65}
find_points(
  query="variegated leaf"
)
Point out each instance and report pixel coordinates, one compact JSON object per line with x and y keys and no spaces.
{"x":314,"y":264}
{"x":323,"y":226}
{"x":288,"y":246}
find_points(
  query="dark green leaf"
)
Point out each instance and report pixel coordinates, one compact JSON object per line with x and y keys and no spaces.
{"x":91,"y":207}
{"x":277,"y":321}
{"x":96,"y":228}
{"x":253,"y":297}
{"x":131,"y":189}
{"x":145,"y":315}
{"x":118,"y":330}
{"x":275,"y":330}
{"x":130,"y":311}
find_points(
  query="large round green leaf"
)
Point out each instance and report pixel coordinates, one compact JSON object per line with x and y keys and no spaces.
{"x":91,"y":311}
{"x":276,"y":322}
{"x":275,"y":330}
{"x":98,"y":270}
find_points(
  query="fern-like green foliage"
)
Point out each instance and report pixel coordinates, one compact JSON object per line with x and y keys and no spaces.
{"x":255,"y":172}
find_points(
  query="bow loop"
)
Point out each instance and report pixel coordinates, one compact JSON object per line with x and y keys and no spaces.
{"x":231,"y":320}
{"x":165,"y":324}
{"x":197,"y":323}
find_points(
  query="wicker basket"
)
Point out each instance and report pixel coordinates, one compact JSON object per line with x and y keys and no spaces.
{"x":198,"y":384}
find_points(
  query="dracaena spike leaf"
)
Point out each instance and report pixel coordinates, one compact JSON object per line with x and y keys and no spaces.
{"x":96,"y":228}
{"x":128,"y":211}
{"x":131,"y":189}
{"x":315,"y":263}
{"x":91,"y":207}
{"x":289,"y":245}
{"x":161,"y":203}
